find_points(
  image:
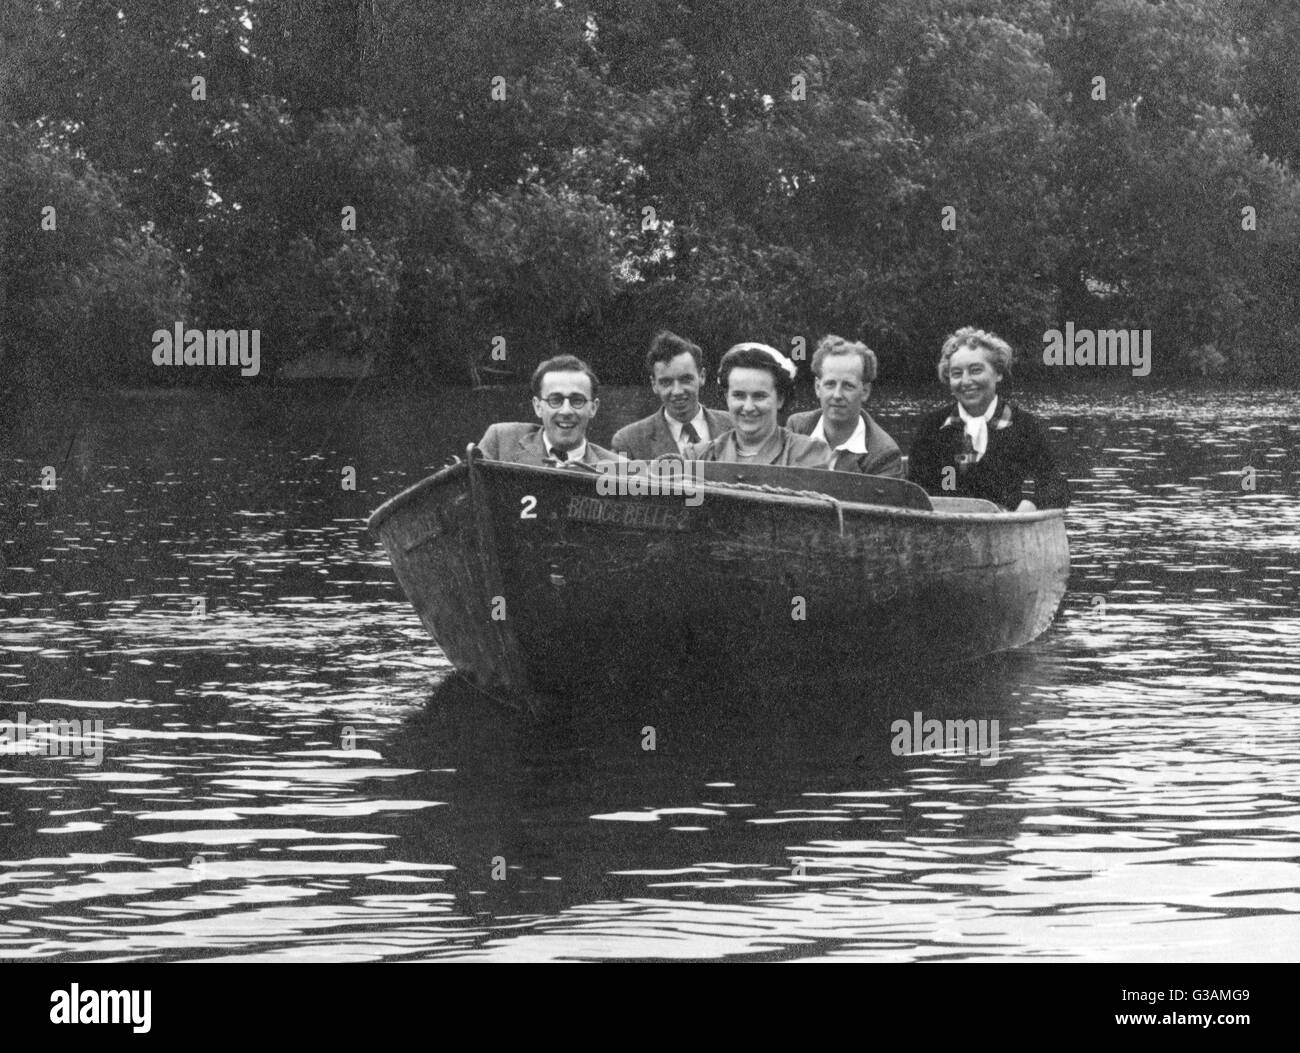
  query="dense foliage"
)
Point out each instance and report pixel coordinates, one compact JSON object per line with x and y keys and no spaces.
{"x":421,"y":179}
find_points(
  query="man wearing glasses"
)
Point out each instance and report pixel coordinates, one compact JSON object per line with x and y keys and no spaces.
{"x":564,"y":398}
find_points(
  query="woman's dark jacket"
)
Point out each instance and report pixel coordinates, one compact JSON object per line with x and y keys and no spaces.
{"x":1017,"y":463}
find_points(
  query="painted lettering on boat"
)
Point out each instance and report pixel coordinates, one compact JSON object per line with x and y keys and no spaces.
{"x":627,"y":513}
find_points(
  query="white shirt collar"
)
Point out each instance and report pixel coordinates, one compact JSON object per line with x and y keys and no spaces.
{"x":575,"y":454}
{"x":856,"y":443}
{"x":700,"y":421}
{"x":986,"y":416}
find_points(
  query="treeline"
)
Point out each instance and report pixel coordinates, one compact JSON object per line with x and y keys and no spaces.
{"x":426,"y":181}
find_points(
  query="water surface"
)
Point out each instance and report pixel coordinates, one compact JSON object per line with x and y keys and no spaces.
{"x":291,"y":772}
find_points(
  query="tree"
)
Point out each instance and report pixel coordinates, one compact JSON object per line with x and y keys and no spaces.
{"x":83,"y":284}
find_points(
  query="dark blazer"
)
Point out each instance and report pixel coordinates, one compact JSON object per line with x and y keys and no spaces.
{"x":650,"y":437}
{"x":522,"y":444}
{"x":1017,"y":453}
{"x":883,"y":457}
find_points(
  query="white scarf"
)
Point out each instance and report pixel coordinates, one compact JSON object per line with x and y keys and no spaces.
{"x":978,"y":427}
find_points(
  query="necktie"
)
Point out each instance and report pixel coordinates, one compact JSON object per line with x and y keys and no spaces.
{"x":559,"y":456}
{"x":689,"y":434}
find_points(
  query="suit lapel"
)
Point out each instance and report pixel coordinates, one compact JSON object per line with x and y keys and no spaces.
{"x":662,"y":442}
{"x":534,"y":448}
{"x":951,"y":431}
{"x":719,"y":423}
{"x":866,"y":440}
{"x":813,"y":421}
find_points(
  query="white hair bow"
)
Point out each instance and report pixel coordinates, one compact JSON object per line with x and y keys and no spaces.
{"x":785,"y":363}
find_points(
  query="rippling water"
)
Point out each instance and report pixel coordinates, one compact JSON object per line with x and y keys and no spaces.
{"x":289,"y":771}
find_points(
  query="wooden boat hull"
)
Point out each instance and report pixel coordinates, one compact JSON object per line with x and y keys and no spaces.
{"x":530,"y":579}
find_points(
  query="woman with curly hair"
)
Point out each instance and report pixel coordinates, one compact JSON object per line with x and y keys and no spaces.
{"x":982,"y":445}
{"x":758,"y":380}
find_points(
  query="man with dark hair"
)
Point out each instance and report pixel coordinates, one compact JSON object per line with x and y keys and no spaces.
{"x":564,"y":398}
{"x":844,"y":373}
{"x":676,"y":368}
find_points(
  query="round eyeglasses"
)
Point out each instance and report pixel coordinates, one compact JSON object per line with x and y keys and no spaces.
{"x":556,"y":401}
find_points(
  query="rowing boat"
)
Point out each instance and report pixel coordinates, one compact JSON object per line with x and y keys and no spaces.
{"x":539,"y":579}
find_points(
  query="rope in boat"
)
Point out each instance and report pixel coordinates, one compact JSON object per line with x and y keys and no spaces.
{"x":767,"y":488}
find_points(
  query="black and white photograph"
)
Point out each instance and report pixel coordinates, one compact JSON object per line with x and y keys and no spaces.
{"x":651,"y":481}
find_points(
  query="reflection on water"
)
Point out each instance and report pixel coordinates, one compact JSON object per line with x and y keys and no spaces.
{"x":290,"y":770}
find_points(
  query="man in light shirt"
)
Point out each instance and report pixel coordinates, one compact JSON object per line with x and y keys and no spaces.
{"x":677,"y":372}
{"x":844,"y":373}
{"x":564,"y":398}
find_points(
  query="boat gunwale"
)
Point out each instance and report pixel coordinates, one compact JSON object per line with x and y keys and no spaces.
{"x":449,"y":472}
{"x":402,"y":497}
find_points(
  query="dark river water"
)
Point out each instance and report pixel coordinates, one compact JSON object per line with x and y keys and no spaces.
{"x":289,"y":771}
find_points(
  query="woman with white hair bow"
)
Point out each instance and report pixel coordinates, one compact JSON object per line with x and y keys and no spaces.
{"x":758,"y":380}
